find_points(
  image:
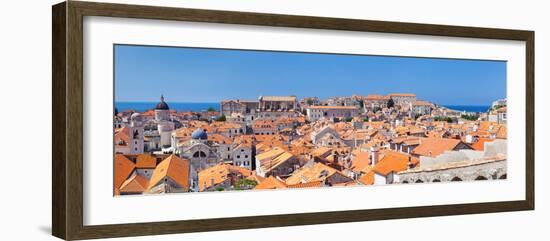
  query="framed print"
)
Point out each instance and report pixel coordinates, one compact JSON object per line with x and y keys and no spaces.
{"x":210,"y":120}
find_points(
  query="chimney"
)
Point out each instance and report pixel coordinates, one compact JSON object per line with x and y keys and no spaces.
{"x":374,"y":155}
{"x":411,"y":165}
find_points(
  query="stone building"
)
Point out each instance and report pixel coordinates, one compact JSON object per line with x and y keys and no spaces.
{"x":343,"y":101}
{"x":129,"y":140}
{"x":315,"y":113}
{"x":244,"y":108}
{"x":274,"y":107}
{"x":276,"y":162}
{"x":201,"y":152}
{"x":467,"y":170}
{"x":422,"y":107}
{"x":309,"y":101}
{"x":165,"y":126}
{"x":462,"y":165}
{"x":277,"y":103}
{"x":374,"y":102}
{"x":499,"y":115}
{"x":404,"y":100}
{"x":173,"y":174}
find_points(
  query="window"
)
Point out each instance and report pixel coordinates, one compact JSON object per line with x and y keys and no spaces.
{"x":238,"y":156}
{"x":245,"y":156}
{"x":199,"y":154}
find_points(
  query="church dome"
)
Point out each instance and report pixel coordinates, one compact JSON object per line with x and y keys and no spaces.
{"x":135,"y":116}
{"x":199,"y":134}
{"x":162,"y":105}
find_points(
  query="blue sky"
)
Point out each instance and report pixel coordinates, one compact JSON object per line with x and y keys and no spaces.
{"x":143,"y":73}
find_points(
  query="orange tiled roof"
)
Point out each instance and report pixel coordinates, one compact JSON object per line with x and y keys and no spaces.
{"x":271,"y":183}
{"x":502,"y":132}
{"x":307,"y":185}
{"x":122,"y":136}
{"x":422,"y":103}
{"x":346,"y":184}
{"x":220,"y":139}
{"x":134,"y":184}
{"x":173,"y":167}
{"x":402,"y":94}
{"x":256,"y":178}
{"x":278,"y":98}
{"x":333,"y":107}
{"x":361,"y":162}
{"x":435,"y":146}
{"x":122,"y":170}
{"x":480,"y":144}
{"x":146,"y":161}
{"x":321,"y":151}
{"x":217,"y":174}
{"x":377,"y":97}
{"x":315,"y":172}
{"x":367,"y":179}
{"x":394,"y":162}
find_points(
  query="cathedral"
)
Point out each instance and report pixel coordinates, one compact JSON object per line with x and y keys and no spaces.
{"x":201,"y":152}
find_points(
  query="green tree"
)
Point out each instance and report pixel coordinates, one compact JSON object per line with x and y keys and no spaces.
{"x":366,"y":119}
{"x":348,"y":119}
{"x":390,"y":103}
{"x":211,"y":109}
{"x":245,"y":184}
{"x":221,"y":118}
{"x":447,"y":119}
{"x":309,"y":102}
{"x":219,"y":188}
{"x":470,"y":117}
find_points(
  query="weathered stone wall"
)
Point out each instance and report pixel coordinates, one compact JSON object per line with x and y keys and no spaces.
{"x":490,"y":171}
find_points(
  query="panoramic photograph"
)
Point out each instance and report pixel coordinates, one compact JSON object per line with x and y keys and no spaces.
{"x":212,"y":120}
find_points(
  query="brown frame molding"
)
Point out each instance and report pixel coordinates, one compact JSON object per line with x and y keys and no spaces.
{"x":67,"y":119}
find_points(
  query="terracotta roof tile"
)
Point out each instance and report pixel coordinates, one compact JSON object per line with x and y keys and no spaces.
{"x":173,"y":167}
{"x":271,"y":183}
{"x":134,"y":184}
{"x":435,"y":146}
{"x":146,"y":161}
{"x":394,"y":162}
{"x":122,"y":170}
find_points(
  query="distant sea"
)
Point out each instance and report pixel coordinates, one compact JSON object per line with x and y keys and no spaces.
{"x":187,"y":106}
{"x":469,"y":108}
{"x":181,"y":106}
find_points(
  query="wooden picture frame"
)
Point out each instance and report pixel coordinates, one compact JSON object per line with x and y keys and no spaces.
{"x":67,"y":123}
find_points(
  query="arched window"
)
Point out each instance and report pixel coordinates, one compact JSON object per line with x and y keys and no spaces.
{"x":199,"y":154}
{"x":419,"y":181}
{"x":480,"y":178}
{"x":503,"y":177}
{"x":456,"y":179}
{"x":436,"y":180}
